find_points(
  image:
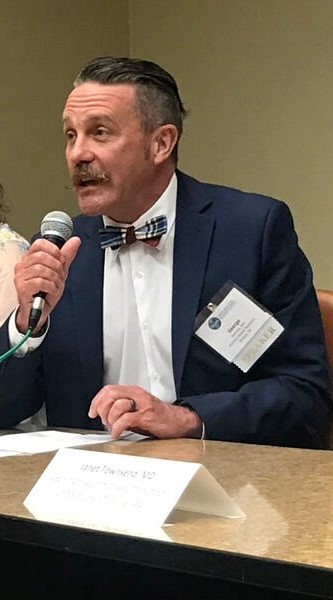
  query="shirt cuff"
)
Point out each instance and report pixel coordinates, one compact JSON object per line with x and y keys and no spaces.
{"x":15,"y":337}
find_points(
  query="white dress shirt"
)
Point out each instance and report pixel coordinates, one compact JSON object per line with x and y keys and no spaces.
{"x":137,"y":307}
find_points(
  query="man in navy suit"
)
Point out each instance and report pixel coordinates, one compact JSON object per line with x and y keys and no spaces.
{"x":116,"y":346}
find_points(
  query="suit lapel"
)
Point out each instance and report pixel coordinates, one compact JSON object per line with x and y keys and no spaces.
{"x":194,"y":227}
{"x":87,"y":296}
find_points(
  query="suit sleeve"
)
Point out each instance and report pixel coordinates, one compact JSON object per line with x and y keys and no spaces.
{"x":20,"y":384}
{"x":285,"y":397}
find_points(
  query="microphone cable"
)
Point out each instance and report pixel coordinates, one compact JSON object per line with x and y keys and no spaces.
{"x":12,"y":350}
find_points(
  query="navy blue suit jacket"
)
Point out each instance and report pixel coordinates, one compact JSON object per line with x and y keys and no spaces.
{"x":221,"y":234}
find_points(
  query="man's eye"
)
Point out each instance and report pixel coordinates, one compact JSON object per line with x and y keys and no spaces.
{"x":69,"y":135}
{"x":101,"y":132}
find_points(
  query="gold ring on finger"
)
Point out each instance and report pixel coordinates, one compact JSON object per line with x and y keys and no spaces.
{"x":133,"y":407}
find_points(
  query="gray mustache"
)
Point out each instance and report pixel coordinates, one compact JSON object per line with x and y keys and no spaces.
{"x":81,"y":175}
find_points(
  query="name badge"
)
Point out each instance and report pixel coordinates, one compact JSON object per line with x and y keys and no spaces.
{"x":237,"y":327}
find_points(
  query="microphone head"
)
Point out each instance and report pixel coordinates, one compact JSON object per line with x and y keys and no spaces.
{"x":58,"y":224}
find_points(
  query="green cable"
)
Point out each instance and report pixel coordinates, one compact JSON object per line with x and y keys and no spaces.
{"x":13,"y":350}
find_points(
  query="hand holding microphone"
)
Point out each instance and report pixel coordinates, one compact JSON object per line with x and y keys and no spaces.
{"x":41,"y":274}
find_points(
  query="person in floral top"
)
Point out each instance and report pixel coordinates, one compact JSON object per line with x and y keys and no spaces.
{"x":12,"y":246}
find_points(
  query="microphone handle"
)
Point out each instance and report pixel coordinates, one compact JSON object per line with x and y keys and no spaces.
{"x":36,"y":310}
{"x":39,"y":299}
{"x":57,"y":240}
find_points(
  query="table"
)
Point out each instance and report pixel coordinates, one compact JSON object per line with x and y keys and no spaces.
{"x":282,"y":549}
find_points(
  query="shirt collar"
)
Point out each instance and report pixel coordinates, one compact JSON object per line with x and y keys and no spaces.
{"x":165,"y":205}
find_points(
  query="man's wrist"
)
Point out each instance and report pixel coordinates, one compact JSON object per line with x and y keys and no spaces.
{"x":15,"y":337}
{"x":196,"y":427}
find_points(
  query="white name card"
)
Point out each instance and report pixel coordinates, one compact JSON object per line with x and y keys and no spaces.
{"x":239,"y":329}
{"x":115,"y":492}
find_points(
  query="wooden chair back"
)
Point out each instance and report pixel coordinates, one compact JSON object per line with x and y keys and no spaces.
{"x":325,"y":299}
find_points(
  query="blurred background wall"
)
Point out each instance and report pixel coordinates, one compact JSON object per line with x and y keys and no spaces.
{"x":43,"y":45}
{"x":256,"y":76}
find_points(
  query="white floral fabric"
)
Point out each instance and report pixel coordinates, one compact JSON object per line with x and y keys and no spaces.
{"x":12,"y":247}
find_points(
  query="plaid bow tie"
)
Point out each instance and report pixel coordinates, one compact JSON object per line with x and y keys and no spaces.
{"x":150,"y":233}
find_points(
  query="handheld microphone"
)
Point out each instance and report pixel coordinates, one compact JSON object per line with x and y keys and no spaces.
{"x":56,"y":227}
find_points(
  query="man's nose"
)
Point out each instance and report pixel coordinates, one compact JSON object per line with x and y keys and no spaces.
{"x":80,"y":152}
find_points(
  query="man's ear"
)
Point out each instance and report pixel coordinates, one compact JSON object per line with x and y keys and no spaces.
{"x":163,"y":142}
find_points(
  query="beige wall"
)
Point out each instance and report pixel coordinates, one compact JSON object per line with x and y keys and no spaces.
{"x":257,"y":76}
{"x":43,"y":45}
